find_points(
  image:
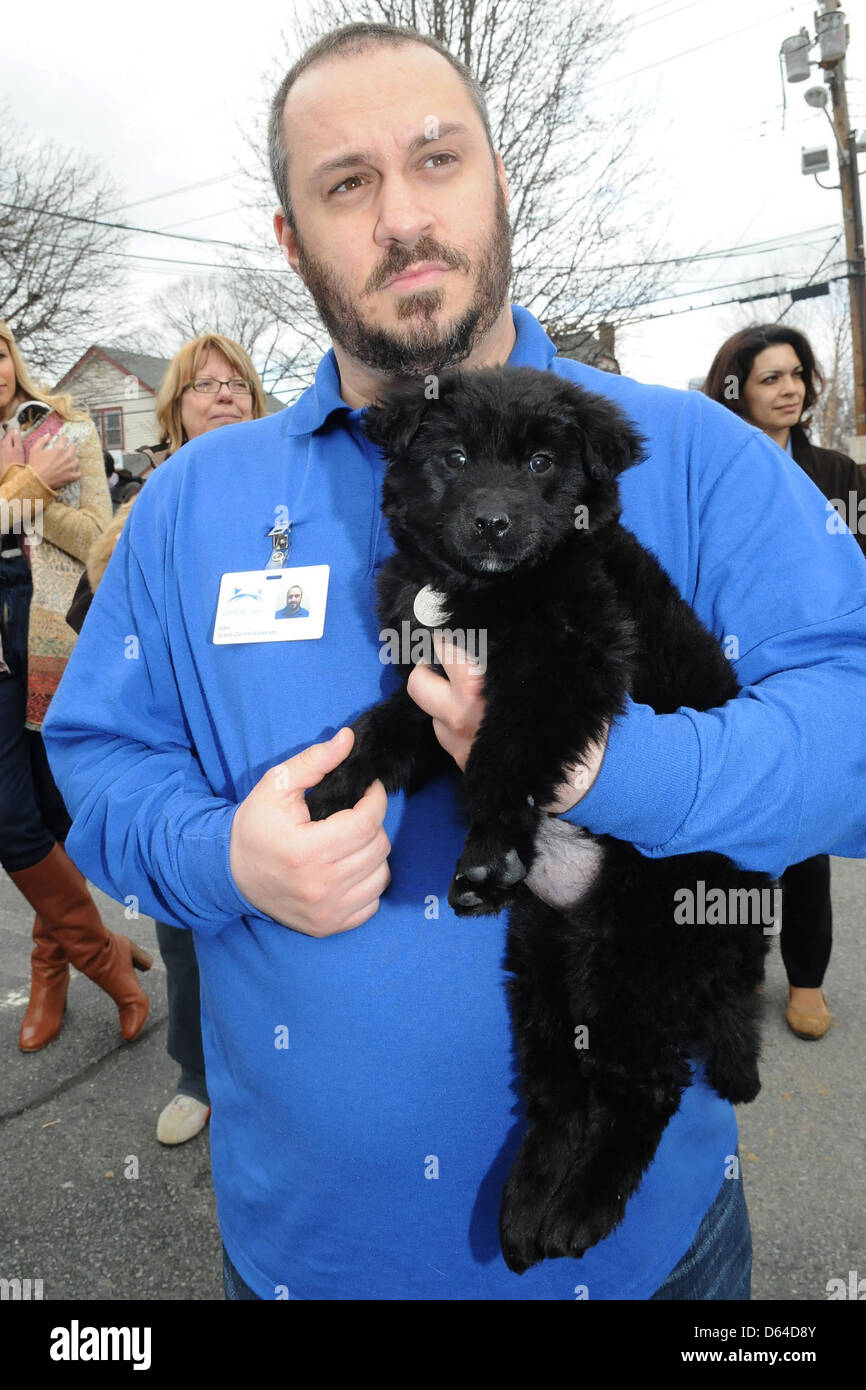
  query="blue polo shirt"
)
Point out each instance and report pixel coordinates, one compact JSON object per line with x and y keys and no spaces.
{"x":363,"y":1086}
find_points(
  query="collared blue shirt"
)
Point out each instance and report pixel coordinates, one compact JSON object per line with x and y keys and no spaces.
{"x":365,"y":1108}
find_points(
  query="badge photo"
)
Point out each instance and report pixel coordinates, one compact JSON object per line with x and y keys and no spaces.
{"x":272,"y":605}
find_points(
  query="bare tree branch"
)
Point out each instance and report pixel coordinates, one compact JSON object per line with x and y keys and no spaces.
{"x":60,"y":281}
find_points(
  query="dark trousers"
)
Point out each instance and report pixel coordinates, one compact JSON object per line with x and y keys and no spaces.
{"x":32,"y":813}
{"x":177,"y":949}
{"x":806,"y":937}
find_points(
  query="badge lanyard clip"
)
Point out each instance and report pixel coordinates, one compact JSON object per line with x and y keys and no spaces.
{"x":282,"y":545}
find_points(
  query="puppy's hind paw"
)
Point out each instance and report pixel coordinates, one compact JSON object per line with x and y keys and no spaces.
{"x":481,"y":886}
{"x":564,"y":1228}
{"x":739,"y":1083}
{"x":552,"y":1206}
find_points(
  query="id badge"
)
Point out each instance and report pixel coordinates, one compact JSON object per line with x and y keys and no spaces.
{"x":272,"y":605}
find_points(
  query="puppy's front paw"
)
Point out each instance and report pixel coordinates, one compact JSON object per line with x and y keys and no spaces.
{"x":337,"y":791}
{"x":485,"y":875}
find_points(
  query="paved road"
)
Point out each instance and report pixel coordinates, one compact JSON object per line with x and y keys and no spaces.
{"x":78,"y":1117}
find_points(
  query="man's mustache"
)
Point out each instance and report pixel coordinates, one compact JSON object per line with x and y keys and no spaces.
{"x":401,"y":258}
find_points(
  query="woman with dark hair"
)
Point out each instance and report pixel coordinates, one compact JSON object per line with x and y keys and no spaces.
{"x":768,"y":375}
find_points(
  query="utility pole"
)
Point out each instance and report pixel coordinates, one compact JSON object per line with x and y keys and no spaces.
{"x":853,"y":222}
{"x":832,"y":39}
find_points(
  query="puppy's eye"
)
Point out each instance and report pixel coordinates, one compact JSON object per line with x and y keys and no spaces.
{"x":454,"y":459}
{"x":540,"y":463}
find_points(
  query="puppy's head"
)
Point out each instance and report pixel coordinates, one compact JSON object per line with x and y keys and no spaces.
{"x":486,"y":469}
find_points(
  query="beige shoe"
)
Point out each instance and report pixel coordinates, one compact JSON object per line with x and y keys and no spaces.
{"x":183,"y":1118}
{"x":807,"y":1025}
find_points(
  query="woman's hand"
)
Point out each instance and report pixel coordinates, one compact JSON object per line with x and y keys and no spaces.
{"x":11,"y":449}
{"x":55,"y":462}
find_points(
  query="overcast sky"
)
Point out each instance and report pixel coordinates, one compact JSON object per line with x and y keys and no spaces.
{"x":158,"y":94}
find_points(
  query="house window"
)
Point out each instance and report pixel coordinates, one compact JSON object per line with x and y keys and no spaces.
{"x":109,"y":427}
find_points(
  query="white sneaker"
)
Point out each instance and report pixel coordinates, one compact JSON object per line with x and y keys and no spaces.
{"x":183,"y":1118}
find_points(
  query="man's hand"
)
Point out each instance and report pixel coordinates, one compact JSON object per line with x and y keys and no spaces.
{"x":455,"y":701}
{"x":456,"y":704}
{"x":318,"y":877}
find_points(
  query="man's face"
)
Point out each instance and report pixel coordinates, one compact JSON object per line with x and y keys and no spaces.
{"x":293,"y":598}
{"x":401,"y":225}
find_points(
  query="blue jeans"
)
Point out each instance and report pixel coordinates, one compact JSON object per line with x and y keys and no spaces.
{"x":717,"y":1265}
{"x":184,"y":1044}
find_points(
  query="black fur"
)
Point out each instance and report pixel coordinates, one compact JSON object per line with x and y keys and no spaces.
{"x":576,"y":616}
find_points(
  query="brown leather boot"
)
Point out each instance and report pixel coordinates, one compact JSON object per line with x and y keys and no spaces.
{"x":59,"y":893}
{"x":49,"y":981}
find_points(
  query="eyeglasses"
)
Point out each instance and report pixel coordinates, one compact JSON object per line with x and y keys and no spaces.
{"x":209,"y":386}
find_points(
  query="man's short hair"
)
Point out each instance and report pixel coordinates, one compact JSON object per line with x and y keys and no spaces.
{"x":354,"y":38}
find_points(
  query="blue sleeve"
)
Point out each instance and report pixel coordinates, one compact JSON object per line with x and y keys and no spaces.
{"x":779,"y":773}
{"x":147,"y":825}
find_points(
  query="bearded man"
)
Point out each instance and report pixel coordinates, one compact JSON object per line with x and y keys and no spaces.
{"x":356,"y":1032}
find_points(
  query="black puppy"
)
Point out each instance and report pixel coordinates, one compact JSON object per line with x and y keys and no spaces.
{"x":502,"y":498}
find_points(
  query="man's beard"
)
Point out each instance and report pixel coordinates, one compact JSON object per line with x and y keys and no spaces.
{"x":425,"y":347}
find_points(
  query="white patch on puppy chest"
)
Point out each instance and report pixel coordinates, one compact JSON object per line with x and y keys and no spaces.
{"x":430,"y":607}
{"x":566,"y":864}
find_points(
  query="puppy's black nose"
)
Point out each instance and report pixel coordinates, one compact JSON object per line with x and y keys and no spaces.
{"x":492,"y":526}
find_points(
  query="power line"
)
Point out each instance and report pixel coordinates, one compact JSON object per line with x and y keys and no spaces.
{"x":785,"y":242}
{"x":669,"y":15}
{"x":770,"y":243}
{"x":124,"y":227}
{"x":672,"y":58}
{"x":729,"y":285}
{"x":206,"y":216}
{"x":827,"y":253}
{"x":184,"y":188}
{"x":718,"y":304}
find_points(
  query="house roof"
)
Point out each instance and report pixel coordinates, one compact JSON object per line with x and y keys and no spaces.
{"x":148,"y":371}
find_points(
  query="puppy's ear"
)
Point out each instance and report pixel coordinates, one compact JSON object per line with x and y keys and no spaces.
{"x":393,"y":421}
{"x":611,"y":443}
